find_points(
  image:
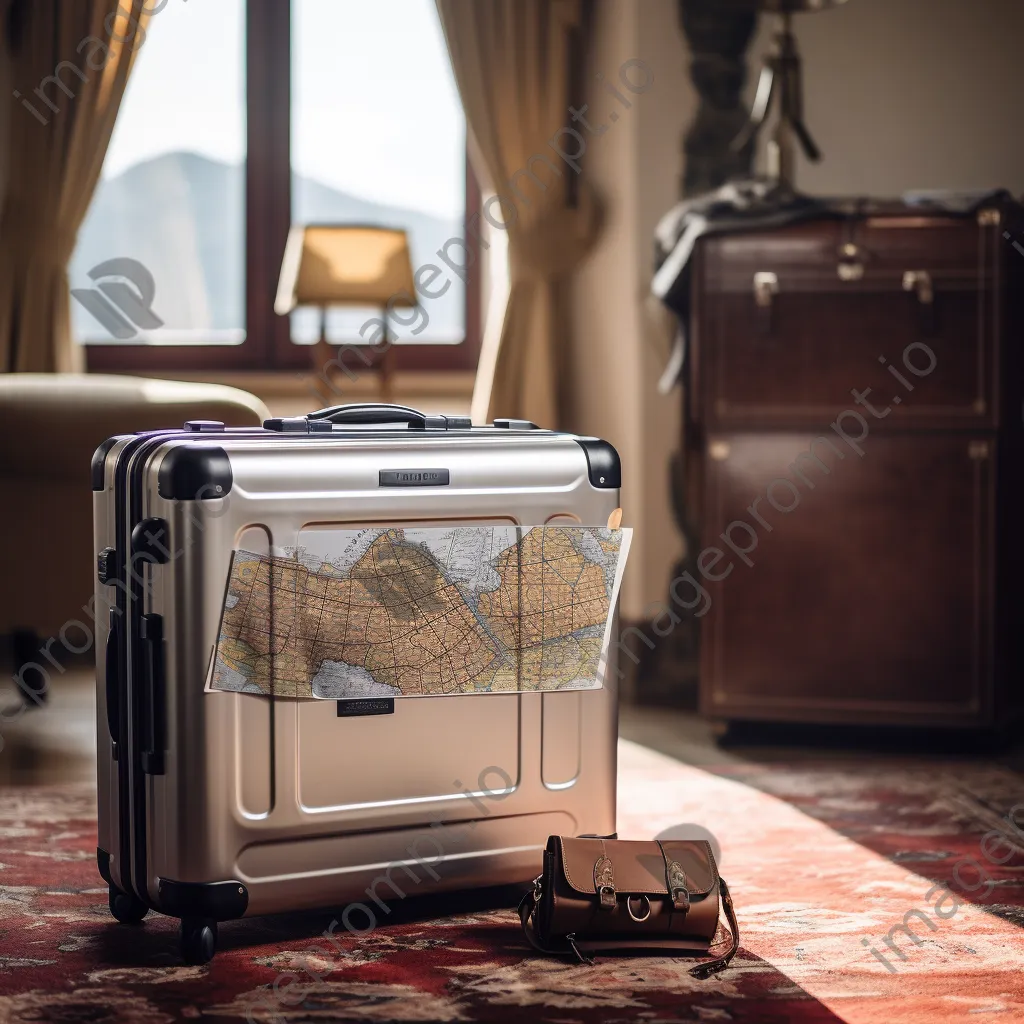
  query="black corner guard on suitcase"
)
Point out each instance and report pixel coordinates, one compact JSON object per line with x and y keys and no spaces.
{"x":103,"y":863}
{"x":217,"y":901}
{"x":191,"y":473}
{"x":99,"y":462}
{"x":602,"y":462}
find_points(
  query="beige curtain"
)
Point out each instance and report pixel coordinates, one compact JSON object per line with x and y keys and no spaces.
{"x":512,"y":63}
{"x":69,"y":60}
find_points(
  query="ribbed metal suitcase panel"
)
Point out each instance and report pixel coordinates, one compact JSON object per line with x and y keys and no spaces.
{"x":105,"y":538}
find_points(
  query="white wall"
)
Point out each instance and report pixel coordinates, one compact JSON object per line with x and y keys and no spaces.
{"x":663,"y":112}
{"x":634,"y":167}
{"x":900,"y":94}
{"x":906,"y":94}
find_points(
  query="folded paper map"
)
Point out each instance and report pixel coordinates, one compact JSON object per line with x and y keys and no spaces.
{"x":421,"y":612}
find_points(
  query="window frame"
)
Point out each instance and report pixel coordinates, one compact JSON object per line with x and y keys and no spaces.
{"x":268,"y":345}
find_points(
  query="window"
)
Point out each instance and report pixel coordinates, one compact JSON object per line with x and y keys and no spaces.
{"x":378,"y":137}
{"x":348,"y":113}
{"x":172,"y":191}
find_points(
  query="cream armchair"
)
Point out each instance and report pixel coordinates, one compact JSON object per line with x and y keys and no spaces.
{"x":51,"y":425}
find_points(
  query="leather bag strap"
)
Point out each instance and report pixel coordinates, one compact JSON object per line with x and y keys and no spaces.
{"x":705,"y":970}
{"x":527,"y":909}
{"x":675,"y":883}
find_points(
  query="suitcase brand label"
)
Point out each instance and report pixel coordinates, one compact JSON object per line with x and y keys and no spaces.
{"x":414,"y":477}
{"x":359,"y":708}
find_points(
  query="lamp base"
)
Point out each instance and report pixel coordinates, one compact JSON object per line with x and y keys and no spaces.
{"x":322,"y":355}
{"x":386,"y":376}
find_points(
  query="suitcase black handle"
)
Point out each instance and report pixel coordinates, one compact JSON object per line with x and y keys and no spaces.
{"x":153,"y":745}
{"x":371,"y":412}
{"x":113,"y":679}
{"x":366,"y":414}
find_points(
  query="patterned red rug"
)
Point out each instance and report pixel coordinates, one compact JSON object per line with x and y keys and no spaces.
{"x":823,"y":861}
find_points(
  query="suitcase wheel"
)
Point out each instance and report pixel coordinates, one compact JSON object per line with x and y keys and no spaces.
{"x":198,"y":939}
{"x":126,"y":908}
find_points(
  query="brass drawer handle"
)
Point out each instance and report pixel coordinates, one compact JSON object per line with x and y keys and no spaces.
{"x":919,"y":281}
{"x":851,"y":262}
{"x":766,"y":284}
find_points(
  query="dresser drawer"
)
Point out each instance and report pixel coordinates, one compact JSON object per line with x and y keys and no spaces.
{"x":903,"y":310}
{"x":849,"y":588}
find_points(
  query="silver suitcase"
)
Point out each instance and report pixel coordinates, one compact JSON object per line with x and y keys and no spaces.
{"x":214,"y":805}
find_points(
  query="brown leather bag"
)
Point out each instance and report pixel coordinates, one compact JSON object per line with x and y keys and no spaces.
{"x":610,"y":895}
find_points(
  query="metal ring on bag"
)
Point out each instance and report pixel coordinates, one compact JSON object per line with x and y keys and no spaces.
{"x":647,"y":904}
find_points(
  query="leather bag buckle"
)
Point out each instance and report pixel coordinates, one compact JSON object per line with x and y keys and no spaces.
{"x":677,"y":887}
{"x":604,"y":882}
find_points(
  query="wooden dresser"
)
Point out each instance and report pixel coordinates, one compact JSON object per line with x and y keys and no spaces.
{"x":855,"y":451}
